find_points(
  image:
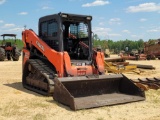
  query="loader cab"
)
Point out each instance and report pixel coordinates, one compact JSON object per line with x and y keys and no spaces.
{"x":65,"y":32}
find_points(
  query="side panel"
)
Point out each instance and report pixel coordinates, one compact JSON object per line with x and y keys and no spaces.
{"x":25,"y":56}
{"x":76,"y":70}
{"x":100,"y":61}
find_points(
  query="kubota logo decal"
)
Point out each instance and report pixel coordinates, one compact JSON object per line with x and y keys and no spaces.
{"x":40,"y":46}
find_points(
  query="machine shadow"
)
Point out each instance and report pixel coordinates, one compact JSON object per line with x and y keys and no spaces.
{"x":19,"y":86}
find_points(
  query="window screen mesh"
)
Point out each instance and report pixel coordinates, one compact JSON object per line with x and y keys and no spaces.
{"x":44,"y":28}
{"x":52,"y":28}
{"x":49,"y":28}
{"x":80,"y":30}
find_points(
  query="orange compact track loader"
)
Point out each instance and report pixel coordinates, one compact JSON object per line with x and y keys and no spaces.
{"x":60,"y":61}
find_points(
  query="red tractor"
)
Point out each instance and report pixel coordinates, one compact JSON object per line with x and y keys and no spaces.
{"x":9,"y":50}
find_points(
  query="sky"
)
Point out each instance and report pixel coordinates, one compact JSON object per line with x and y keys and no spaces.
{"x":112,"y":19}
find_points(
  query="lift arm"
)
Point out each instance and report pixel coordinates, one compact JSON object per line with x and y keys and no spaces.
{"x":30,"y":39}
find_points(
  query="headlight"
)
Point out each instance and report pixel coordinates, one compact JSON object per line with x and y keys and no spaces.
{"x":64,"y":15}
{"x":88,"y":18}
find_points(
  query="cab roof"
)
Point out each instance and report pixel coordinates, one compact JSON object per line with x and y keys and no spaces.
{"x":11,"y":35}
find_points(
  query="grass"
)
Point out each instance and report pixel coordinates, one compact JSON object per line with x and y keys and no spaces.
{"x":37,"y":104}
{"x":100,"y":118}
{"x":39,"y":117}
{"x":18,"y":108}
{"x":11,"y":109}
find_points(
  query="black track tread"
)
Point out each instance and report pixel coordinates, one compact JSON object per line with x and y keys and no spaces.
{"x":48,"y":73}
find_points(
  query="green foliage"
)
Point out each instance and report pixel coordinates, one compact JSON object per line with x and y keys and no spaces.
{"x":102,"y":43}
{"x":117,"y":46}
{"x":19,"y":42}
{"x":151,"y":42}
{"x":81,"y":34}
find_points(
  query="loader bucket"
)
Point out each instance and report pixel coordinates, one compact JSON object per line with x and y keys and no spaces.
{"x":88,"y":92}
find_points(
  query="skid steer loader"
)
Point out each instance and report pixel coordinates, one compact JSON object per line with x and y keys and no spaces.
{"x":60,"y":61}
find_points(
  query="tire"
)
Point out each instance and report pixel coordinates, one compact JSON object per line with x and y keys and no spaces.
{"x":106,"y":55}
{"x":148,"y":57}
{"x":2,"y":54}
{"x":16,"y":54}
{"x":153,"y":58}
{"x":137,"y":57}
{"x":9,"y":57}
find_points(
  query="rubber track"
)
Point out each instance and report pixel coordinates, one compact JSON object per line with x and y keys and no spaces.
{"x":44,"y":72}
{"x":147,"y":83}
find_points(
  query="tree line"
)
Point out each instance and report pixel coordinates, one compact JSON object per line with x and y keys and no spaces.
{"x":113,"y":46}
{"x":121,"y":45}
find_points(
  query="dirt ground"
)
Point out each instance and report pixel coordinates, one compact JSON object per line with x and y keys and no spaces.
{"x":17,"y":103}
